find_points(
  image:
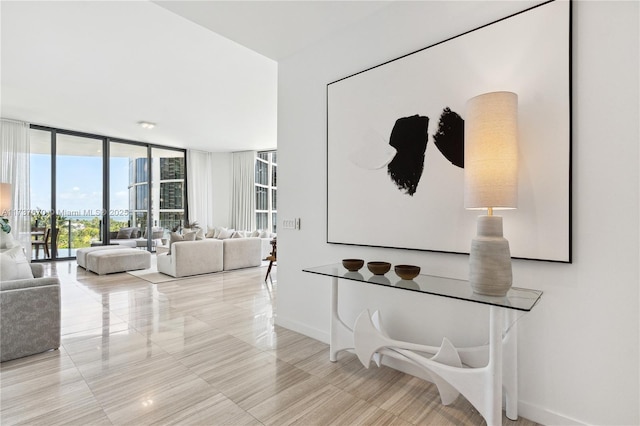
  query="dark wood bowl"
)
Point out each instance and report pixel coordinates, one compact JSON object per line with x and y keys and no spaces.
{"x":407,"y":272}
{"x":352,"y":265}
{"x":379,"y":268}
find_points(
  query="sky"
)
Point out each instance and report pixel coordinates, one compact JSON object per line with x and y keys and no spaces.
{"x":78,"y":184}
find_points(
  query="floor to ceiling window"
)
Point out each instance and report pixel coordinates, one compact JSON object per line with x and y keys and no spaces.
{"x":169,"y":193}
{"x":266,"y":190}
{"x":40,"y":178}
{"x":128,"y":188}
{"x":78,"y":193}
{"x":85,"y":188}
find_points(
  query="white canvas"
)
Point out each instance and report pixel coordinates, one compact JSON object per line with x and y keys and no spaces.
{"x":528,"y":54}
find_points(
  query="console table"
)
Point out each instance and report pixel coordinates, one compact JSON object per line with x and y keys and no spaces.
{"x":479,"y":373}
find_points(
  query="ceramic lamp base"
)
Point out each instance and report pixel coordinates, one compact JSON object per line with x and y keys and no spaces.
{"x":490,"y":259}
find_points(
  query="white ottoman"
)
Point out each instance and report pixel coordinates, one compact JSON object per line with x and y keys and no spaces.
{"x":117,"y":260}
{"x":81,"y":254}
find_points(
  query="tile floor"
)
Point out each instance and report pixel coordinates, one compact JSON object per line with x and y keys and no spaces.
{"x":201,"y":351}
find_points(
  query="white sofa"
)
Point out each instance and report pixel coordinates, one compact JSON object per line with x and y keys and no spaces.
{"x":191,"y":258}
{"x":136,"y":238}
{"x":241,"y":253}
{"x":265,"y":236}
{"x":210,"y":255}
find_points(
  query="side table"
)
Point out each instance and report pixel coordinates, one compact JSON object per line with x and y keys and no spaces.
{"x":454,"y":370}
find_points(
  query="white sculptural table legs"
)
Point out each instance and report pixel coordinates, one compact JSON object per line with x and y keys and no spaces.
{"x":340,"y":336}
{"x":488,"y":370}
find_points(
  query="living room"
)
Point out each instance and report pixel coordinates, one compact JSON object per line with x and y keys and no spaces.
{"x":578,"y":351}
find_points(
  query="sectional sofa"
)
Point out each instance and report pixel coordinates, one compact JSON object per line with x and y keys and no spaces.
{"x":133,"y":237}
{"x":210,"y":255}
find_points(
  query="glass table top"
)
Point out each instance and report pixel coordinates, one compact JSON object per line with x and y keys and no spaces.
{"x":522,"y":299}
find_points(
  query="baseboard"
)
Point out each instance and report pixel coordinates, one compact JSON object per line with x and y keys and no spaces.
{"x":301,"y":328}
{"x":544,"y":416}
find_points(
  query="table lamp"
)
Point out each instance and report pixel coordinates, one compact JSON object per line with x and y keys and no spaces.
{"x":491,"y":182}
{"x":5,"y":206}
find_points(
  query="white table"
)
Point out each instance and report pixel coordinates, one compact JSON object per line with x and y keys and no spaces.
{"x":479,"y":373}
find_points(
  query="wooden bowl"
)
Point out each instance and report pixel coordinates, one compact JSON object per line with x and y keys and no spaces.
{"x":379,"y":268}
{"x":407,"y":272}
{"x":352,"y":265}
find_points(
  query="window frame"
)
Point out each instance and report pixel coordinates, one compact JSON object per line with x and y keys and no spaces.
{"x":271,"y":189}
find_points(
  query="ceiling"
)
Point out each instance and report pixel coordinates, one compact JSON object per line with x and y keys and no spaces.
{"x":204,"y":71}
{"x":275,"y":29}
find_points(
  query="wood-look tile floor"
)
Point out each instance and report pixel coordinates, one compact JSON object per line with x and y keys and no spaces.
{"x":201,"y":351}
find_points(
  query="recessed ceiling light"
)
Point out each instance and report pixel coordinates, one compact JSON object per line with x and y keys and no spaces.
{"x":146,"y":124}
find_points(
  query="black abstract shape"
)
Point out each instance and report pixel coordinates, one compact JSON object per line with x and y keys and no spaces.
{"x":409,"y":138}
{"x":450,"y":137}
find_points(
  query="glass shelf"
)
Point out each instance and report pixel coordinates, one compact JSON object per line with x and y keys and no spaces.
{"x":521,"y":299}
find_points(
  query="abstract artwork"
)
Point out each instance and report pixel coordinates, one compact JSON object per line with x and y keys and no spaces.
{"x":395,"y":140}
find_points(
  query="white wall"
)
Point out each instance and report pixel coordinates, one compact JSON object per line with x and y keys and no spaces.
{"x":579,"y":348}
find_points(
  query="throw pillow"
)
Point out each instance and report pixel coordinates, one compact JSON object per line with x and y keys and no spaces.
{"x":237,"y":234}
{"x":7,"y":241}
{"x":264,"y":234}
{"x":255,"y":233}
{"x":199,"y":234}
{"x":14,"y":265}
{"x":210,"y":232}
{"x":217,"y":229}
{"x":124,"y":233}
{"x":175,"y":237}
{"x":226,"y":233}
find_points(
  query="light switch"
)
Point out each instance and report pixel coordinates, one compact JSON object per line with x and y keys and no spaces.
{"x":291,"y":223}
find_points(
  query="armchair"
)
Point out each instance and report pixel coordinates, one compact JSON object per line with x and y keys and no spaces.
{"x":29,"y":315}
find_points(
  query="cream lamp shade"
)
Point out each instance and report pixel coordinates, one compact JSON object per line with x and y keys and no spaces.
{"x":490,"y":182}
{"x":5,"y":198}
{"x":491,"y":151}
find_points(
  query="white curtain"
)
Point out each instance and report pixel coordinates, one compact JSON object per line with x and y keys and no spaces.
{"x":243,"y":199}
{"x":200,"y":187}
{"x":15,"y":155}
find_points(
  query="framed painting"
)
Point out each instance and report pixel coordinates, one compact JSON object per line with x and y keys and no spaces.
{"x":395,"y":140}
